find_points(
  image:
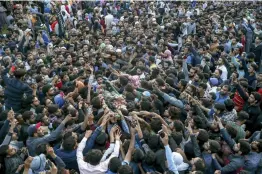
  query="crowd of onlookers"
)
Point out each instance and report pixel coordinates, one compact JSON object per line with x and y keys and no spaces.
{"x":130,"y":87}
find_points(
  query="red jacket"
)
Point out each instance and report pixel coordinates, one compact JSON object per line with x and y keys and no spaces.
{"x":239,"y":102}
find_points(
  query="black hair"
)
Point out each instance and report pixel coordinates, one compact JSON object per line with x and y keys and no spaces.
{"x":200,"y":164}
{"x":123,"y":80}
{"x":150,"y":158}
{"x":125,"y":169}
{"x":27,"y":115}
{"x":138,"y":156}
{"x":94,"y":156}
{"x":229,"y":104}
{"x":69,"y":143}
{"x":244,"y":147}
{"x":96,"y":102}
{"x":231,"y":131}
{"x":114,"y":164}
{"x":156,"y":125}
{"x":41,"y":149}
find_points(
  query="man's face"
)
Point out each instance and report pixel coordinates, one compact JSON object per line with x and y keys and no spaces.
{"x":251,"y":99}
{"x":11,"y":151}
{"x":32,"y":119}
{"x":206,"y":145}
{"x":220,"y":61}
{"x":45,"y":120}
{"x":85,"y":48}
{"x":7,"y":51}
{"x":191,"y":73}
{"x":193,"y":161}
{"x":224,"y":90}
{"x":138,"y":71}
{"x":165,"y":65}
{"x":75,"y":71}
{"x":250,"y":69}
{"x":40,"y":132}
{"x":51,"y":92}
{"x":100,"y":80}
{"x":216,"y":73}
{"x":257,"y":40}
{"x":36,"y":101}
{"x":236,"y":147}
{"x":233,"y":41}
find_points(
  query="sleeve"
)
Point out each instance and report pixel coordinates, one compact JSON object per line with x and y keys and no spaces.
{"x":172,"y":144}
{"x":227,"y":138}
{"x":91,"y":141}
{"x":4,"y":76}
{"x":79,"y":153}
{"x":53,"y":136}
{"x":28,"y":90}
{"x":59,"y":162}
{"x":197,"y":151}
{"x":245,"y":67}
{"x":170,"y":161}
{"x":145,"y":146}
{"x":125,"y":126}
{"x":4,"y":129}
{"x":231,"y":167}
{"x":241,"y":92}
{"x":115,"y":153}
{"x":233,"y":59}
{"x":185,"y":70}
{"x":7,"y":140}
{"x":108,"y":151}
{"x":173,"y":100}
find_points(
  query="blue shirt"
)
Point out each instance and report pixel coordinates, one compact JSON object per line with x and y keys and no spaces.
{"x":220,"y":98}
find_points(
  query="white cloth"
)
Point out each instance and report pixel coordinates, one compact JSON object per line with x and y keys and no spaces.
{"x":224,"y":72}
{"x":102,"y":167}
{"x":108,"y":20}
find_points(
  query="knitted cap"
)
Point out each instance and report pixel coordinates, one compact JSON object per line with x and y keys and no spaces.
{"x":46,"y":88}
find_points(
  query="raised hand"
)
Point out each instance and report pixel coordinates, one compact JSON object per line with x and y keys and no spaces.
{"x":88,"y":133}
{"x":117,"y":134}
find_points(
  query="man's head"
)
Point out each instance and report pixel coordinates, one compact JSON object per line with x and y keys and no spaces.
{"x":114,"y":164}
{"x":93,"y":157}
{"x":35,"y":130}
{"x":224,"y":90}
{"x":242,"y":148}
{"x":252,"y":68}
{"x":99,"y":79}
{"x":19,"y":73}
{"x":254,"y":98}
{"x":69,"y":143}
{"x":229,"y":104}
{"x":192,"y":72}
{"x":220,"y":62}
{"x":242,"y":116}
{"x":28,"y":117}
{"x":257,"y":146}
{"x":212,"y":146}
{"x":198,"y":164}
{"x":48,"y":90}
{"x":35,"y":101}
{"x":217,"y":73}
{"x":125,"y":169}
{"x":7,"y":150}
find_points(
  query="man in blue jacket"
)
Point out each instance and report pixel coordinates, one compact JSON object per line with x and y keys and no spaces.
{"x":15,"y":89}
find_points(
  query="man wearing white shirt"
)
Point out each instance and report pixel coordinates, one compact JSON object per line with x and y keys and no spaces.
{"x":94,"y":163}
{"x":223,"y":68}
{"x":109,"y":19}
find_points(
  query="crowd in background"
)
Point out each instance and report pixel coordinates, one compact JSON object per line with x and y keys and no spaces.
{"x":130,"y":87}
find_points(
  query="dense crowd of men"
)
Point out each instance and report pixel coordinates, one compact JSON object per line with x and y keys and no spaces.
{"x":130,"y":87}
